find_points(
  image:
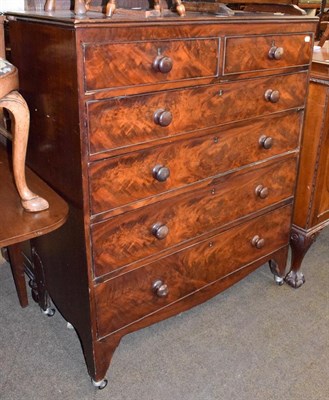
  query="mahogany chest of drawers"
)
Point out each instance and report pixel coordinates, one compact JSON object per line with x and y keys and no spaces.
{"x":175,"y":142}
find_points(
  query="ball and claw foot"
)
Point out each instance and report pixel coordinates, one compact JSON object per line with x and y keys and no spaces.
{"x":50,"y":312}
{"x":295,"y":279}
{"x":100,"y":384}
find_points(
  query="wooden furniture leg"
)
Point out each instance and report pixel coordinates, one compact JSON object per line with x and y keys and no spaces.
{"x":15,"y":103}
{"x":300,"y":242}
{"x":17,"y":268}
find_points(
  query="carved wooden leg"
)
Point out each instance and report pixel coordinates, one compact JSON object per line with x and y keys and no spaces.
{"x":17,"y":268}
{"x":300,"y":242}
{"x":50,"y":5}
{"x":110,"y":8}
{"x":15,"y":103}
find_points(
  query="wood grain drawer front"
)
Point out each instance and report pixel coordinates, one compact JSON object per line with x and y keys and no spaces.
{"x":254,"y":53}
{"x":140,"y":63}
{"x":127,"y":121}
{"x":130,"y":296}
{"x":134,"y":235}
{"x":125,"y":179}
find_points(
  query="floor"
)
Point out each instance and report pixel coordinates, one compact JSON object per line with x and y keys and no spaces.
{"x":255,"y":341}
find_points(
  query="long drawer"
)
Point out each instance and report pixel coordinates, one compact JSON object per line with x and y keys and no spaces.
{"x":109,"y":65}
{"x":132,"y":296}
{"x":125,"y":179}
{"x":127,"y":121}
{"x":135,"y":235}
{"x":256,"y":53}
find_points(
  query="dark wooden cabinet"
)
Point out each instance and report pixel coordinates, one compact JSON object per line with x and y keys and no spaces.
{"x":175,"y":142}
{"x":311,"y":213}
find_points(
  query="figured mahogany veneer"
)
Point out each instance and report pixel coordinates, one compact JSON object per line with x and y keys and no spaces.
{"x":190,"y":215}
{"x":129,"y":298}
{"x":148,"y":62}
{"x":176,"y":142}
{"x":117,"y":122}
{"x":121,"y":180}
{"x":245,"y":54}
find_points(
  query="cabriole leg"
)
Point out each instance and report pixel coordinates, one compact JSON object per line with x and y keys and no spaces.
{"x":300,"y":242}
{"x":18,"y":108}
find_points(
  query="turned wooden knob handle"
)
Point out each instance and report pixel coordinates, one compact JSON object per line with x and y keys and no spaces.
{"x":258,"y":242}
{"x":160,"y":230}
{"x":266,"y":142}
{"x":162,"y":64}
{"x":161,"y":173}
{"x":272,"y":95}
{"x":160,"y":288}
{"x":275,"y":53}
{"x":261,"y":191}
{"x":163,"y":117}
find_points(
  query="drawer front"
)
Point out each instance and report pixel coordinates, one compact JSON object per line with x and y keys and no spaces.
{"x":140,"y":63}
{"x":255,"y":53}
{"x":135,"y":235}
{"x":124,"y":179}
{"x":127,"y":121}
{"x":130,"y":297}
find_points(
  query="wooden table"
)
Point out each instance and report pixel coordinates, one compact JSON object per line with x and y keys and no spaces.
{"x":18,"y":226}
{"x":311,"y":213}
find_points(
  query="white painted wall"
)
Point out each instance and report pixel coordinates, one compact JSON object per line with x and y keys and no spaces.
{"x":11,"y":5}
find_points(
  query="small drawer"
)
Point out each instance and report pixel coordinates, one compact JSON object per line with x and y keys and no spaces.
{"x":256,"y":53}
{"x":114,"y":65}
{"x":135,"y":235}
{"x":121,"y":180}
{"x":128,"y":121}
{"x":145,"y":290}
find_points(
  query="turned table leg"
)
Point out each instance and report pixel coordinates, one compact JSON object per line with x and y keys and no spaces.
{"x":15,"y":103}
